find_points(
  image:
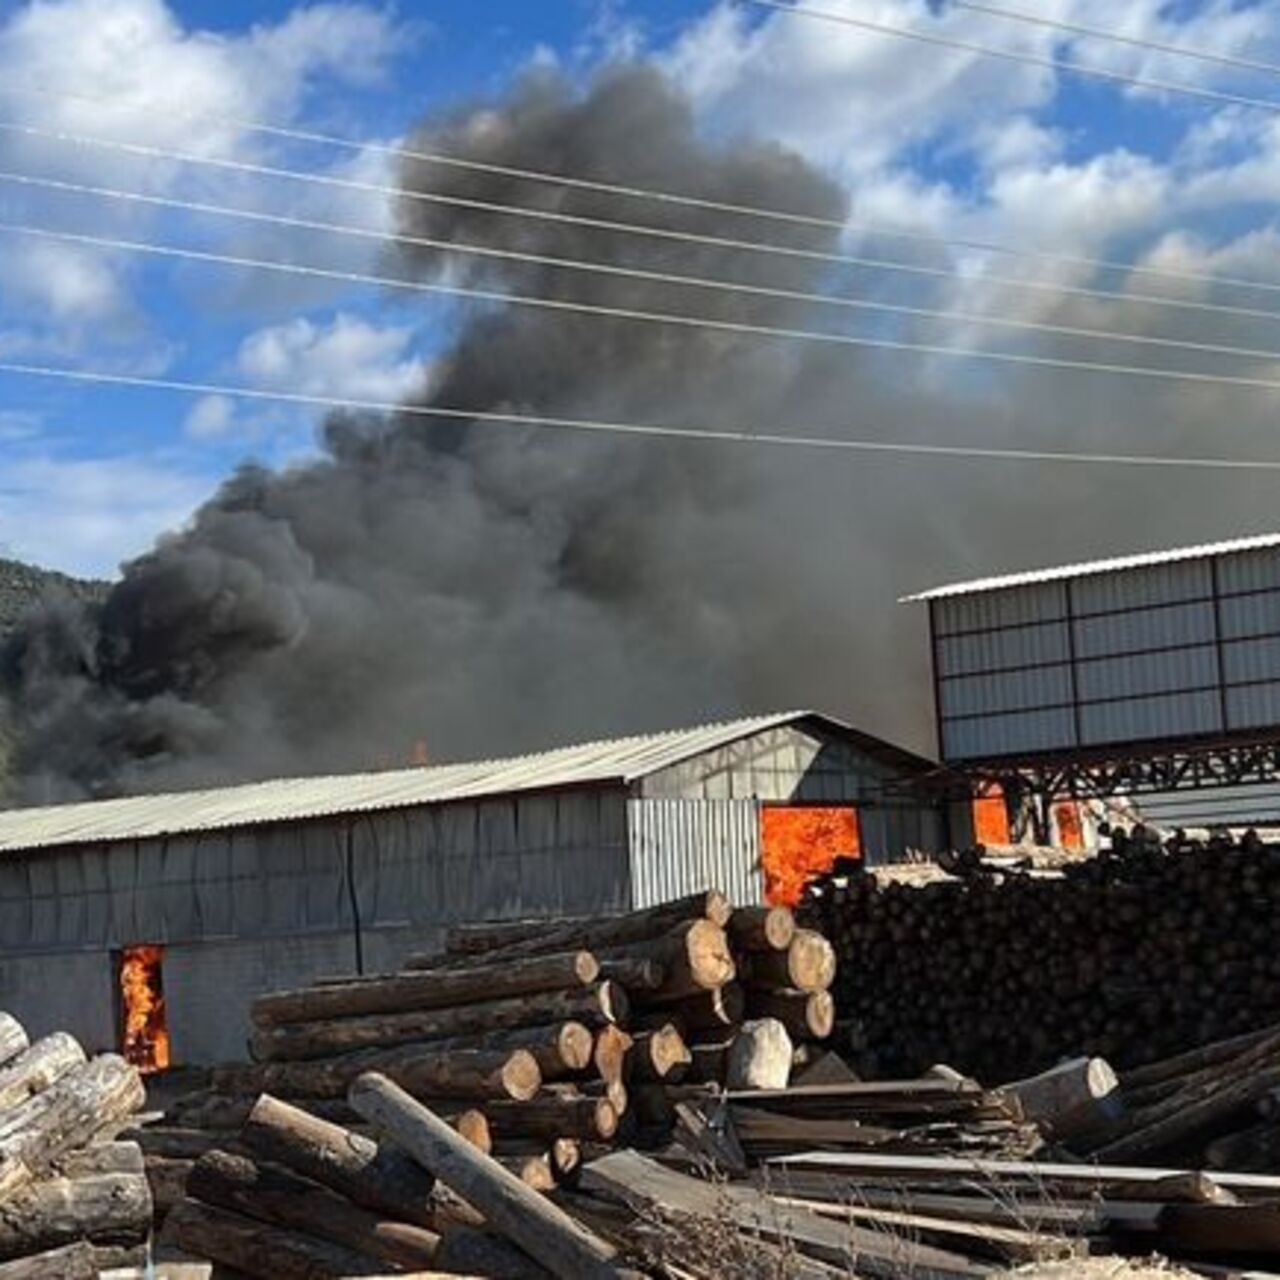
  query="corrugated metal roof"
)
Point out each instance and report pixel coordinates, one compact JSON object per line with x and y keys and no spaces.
{"x":1114,"y":565}
{"x":619,"y":760}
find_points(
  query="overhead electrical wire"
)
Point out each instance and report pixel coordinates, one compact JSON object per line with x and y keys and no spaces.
{"x":651,"y":193}
{"x":1013,"y":55}
{"x":677,"y":319}
{"x":594,"y":267}
{"x":608,"y":427}
{"x":1099,"y":33}
{"x":636,"y":229}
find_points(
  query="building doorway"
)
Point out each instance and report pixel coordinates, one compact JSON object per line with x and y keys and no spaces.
{"x":799,"y":842}
{"x":142,"y":1018}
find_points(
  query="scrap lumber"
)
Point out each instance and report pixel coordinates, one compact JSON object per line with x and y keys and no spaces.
{"x":641,"y":1182}
{"x":546,"y":1233}
{"x":429,"y":989}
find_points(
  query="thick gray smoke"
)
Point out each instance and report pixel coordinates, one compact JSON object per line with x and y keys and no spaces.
{"x":484,"y":588}
{"x":479,"y":587}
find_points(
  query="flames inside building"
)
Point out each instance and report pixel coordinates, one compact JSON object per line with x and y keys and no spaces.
{"x":144,"y":1027}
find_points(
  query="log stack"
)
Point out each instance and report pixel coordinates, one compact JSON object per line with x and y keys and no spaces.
{"x":73,"y":1199}
{"x":537,"y":1039}
{"x":1134,"y":955}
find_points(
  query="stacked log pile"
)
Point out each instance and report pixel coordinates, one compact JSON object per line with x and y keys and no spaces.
{"x":538,"y":1040}
{"x":73,"y":1200}
{"x":1131,"y":956}
{"x":1217,"y":1106}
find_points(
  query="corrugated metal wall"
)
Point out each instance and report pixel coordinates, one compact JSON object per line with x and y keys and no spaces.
{"x":683,"y":846}
{"x":1172,"y":650}
{"x":242,"y":912}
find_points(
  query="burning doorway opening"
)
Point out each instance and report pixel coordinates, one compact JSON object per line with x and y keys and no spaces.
{"x":799,"y":842}
{"x":144,"y":1025}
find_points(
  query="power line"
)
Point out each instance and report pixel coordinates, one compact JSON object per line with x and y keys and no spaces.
{"x":1098,"y":33}
{"x":1013,"y":55}
{"x":630,"y":228}
{"x":590,"y":266}
{"x":605,"y":426}
{"x":669,"y":197}
{"x":634,"y":314}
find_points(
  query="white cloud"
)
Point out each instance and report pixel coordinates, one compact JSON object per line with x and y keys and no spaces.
{"x":86,"y":516}
{"x":348,"y":358}
{"x":154,"y":81}
{"x":210,"y":418}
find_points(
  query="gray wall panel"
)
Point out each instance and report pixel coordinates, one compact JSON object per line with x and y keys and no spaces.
{"x":684,"y":846}
{"x":68,"y":992}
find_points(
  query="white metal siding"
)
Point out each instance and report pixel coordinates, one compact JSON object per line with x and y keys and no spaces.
{"x":992,"y":650}
{"x":1170,"y":716}
{"x":683,"y":846}
{"x":1163,"y":648}
{"x":1040,"y":603}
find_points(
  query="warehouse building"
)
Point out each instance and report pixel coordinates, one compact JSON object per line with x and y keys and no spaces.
{"x":162,"y":916}
{"x":1154,"y":675}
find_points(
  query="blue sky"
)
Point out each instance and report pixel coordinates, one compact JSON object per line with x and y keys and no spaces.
{"x":937,"y":143}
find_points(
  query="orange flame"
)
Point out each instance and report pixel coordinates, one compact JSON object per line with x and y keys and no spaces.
{"x":146,"y":1032}
{"x":990,"y":815}
{"x":798,"y":844}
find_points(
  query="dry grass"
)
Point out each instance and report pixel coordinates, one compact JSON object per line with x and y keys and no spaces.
{"x":1103,"y":1269}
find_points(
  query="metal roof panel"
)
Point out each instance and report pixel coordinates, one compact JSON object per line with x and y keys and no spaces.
{"x":1114,"y":565}
{"x":619,"y":760}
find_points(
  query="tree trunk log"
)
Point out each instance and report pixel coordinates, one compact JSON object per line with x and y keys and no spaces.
{"x":106,"y":1208}
{"x":93,"y":1099}
{"x":658,"y":1055}
{"x":807,"y":1015}
{"x":374,"y":1175}
{"x":472,"y":1251}
{"x":808,"y":964}
{"x":695,"y":957}
{"x":167,"y":1178}
{"x":708,"y":1011}
{"x":709,"y":1060}
{"x":13,"y":1038}
{"x":636,"y":973}
{"x":72,"y":1262}
{"x":433,"y":989}
{"x":595,"y":933}
{"x":285,"y":1199}
{"x":595,"y":1006}
{"x":34,"y":1069}
{"x":544,"y":1231}
{"x":256,"y":1249}
{"x":553,"y":1116}
{"x":761,"y":928}
{"x":1073,"y":1097}
{"x":610,"y":1056}
{"x":760,"y":1057}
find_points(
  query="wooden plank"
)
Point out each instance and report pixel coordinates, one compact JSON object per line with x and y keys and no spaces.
{"x":865,"y":1165}
{"x":638,"y":1181}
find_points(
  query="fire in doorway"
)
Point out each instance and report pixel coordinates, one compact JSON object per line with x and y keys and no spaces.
{"x":798,"y":842}
{"x":144,"y":1024}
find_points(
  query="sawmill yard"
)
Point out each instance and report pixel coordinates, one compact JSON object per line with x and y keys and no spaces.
{"x":689,"y":1090}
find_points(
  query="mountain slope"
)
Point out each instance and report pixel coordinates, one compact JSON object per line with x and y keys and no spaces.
{"x":22,"y":584}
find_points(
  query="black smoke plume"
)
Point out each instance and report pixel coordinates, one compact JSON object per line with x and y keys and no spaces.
{"x":480,"y":587}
